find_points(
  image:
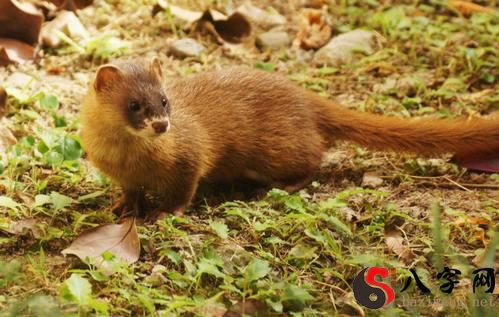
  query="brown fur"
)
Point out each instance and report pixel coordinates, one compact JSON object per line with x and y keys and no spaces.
{"x":240,"y":123}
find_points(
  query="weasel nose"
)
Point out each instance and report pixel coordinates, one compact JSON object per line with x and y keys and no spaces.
{"x":160,"y":126}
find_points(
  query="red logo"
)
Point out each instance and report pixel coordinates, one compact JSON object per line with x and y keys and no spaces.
{"x":370,"y":292}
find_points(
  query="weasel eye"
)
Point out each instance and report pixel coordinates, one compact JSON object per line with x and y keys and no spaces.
{"x":134,"y":106}
{"x":164,"y":101}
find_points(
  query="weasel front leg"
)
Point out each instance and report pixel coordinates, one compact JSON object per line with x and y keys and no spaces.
{"x":176,"y":200}
{"x":131,"y":202}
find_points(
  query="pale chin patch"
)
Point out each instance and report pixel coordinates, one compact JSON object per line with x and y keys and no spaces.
{"x":148,"y":130}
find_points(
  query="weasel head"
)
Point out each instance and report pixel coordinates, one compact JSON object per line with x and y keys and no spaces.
{"x":134,"y":94}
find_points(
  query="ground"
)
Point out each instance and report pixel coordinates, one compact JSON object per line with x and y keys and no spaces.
{"x":282,"y":254}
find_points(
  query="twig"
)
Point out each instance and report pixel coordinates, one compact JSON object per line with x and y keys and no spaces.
{"x":456,"y":183}
{"x":333,"y":287}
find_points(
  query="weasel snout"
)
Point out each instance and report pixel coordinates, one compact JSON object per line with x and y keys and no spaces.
{"x":160,"y":126}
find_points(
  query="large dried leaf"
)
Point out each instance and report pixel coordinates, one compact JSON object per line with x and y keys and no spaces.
{"x":20,"y":21}
{"x":4,"y":109}
{"x":119,"y":239}
{"x":467,"y":8}
{"x":71,"y":5}
{"x":395,"y":243}
{"x":188,"y":16}
{"x":314,"y":30}
{"x":263,"y":18}
{"x":484,"y":162}
{"x":483,"y":165}
{"x":211,"y":310}
{"x":250,"y":307}
{"x":15,"y":51}
{"x":234,"y":28}
{"x":24,"y":226}
{"x":6,"y":137}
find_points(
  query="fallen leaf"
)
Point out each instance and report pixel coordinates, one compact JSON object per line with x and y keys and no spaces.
{"x":24,"y":226}
{"x":211,"y":310}
{"x":395,"y":243}
{"x":233,"y":28}
{"x":263,"y":18}
{"x":188,"y":16}
{"x":15,"y":51}
{"x":371,"y":180}
{"x":484,"y":162}
{"x":6,"y":140}
{"x":4,"y":109}
{"x":317,"y":4}
{"x":467,"y":8}
{"x":66,"y":22}
{"x":20,"y":21}
{"x":120,"y":239}
{"x":250,"y":307}
{"x":71,"y":5}
{"x":21,"y":24}
{"x":314,"y":30}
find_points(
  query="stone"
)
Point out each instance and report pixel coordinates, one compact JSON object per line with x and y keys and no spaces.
{"x":273,"y":40}
{"x":186,"y":48}
{"x":341,"y":48}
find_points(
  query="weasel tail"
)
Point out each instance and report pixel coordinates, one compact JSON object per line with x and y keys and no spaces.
{"x":423,"y":136}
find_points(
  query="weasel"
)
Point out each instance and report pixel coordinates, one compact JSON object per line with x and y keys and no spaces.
{"x":151,"y":135}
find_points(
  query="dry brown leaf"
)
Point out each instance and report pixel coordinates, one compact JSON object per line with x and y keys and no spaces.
{"x":24,"y":226}
{"x":314,"y":30}
{"x":395,"y":243}
{"x":467,"y":8}
{"x":120,"y":239}
{"x":317,"y":4}
{"x":19,"y":31}
{"x":15,"y":51}
{"x":250,"y":307}
{"x":234,"y":28}
{"x":371,"y":180}
{"x":4,"y":109}
{"x":188,"y":16}
{"x":485,"y":162}
{"x":20,"y":21}
{"x":262,"y":18}
{"x":71,"y":5}
{"x":211,"y":310}
{"x":66,"y":22}
{"x":6,"y":137}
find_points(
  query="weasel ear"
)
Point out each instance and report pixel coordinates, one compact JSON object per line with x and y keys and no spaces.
{"x":106,"y":76}
{"x":156,"y":67}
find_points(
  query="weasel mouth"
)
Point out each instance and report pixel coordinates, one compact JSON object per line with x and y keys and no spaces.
{"x":151,"y":129}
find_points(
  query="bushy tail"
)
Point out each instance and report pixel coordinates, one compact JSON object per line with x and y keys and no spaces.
{"x":423,"y":136}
